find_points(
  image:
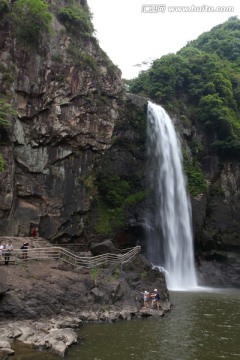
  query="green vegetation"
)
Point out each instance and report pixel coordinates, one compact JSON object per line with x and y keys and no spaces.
{"x":6,"y":111}
{"x":58,"y":58}
{"x":4,"y":7}
{"x":114,"y":189}
{"x":201,"y":84}
{"x":89,"y":182}
{"x":115,"y":195}
{"x":144,"y":274}
{"x":80,"y":58}
{"x":216,"y":190}
{"x":222,"y":40}
{"x":197,"y":183}
{"x":95,"y":272}
{"x":135,"y":198}
{"x":31,"y":20}
{"x":8,"y":74}
{"x":76,"y":19}
{"x":109,"y":219}
{"x":117,"y":272}
{"x":120,"y":191}
{"x":1,"y":163}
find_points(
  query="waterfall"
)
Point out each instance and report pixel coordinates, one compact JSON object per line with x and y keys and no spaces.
{"x":168,"y":222}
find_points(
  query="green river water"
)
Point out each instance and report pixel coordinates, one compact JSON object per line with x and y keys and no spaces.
{"x":202,"y":325}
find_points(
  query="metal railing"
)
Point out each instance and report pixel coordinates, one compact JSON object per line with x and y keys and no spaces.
{"x":56,"y":253}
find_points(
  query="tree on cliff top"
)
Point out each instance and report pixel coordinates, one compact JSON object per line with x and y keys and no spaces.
{"x":31,"y":19}
{"x":76,"y":19}
{"x":202,"y":83}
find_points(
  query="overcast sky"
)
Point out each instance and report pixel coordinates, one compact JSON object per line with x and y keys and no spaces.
{"x":134,"y":31}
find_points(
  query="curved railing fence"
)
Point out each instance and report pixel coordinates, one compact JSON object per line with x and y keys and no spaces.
{"x":55,"y":253}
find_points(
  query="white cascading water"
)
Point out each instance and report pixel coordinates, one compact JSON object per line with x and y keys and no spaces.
{"x":169,"y":225}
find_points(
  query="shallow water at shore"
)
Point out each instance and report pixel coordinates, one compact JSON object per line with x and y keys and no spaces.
{"x":203,"y":324}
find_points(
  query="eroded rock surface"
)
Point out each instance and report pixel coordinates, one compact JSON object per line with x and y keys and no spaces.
{"x":47,"y":301}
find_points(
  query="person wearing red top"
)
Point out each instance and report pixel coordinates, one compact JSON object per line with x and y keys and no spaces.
{"x":34,"y":232}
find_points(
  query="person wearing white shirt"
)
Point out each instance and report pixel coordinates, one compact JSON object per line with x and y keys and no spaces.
{"x":7,"y":252}
{"x":1,"y":251}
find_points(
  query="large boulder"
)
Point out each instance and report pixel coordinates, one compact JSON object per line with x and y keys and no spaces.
{"x":104,"y":247}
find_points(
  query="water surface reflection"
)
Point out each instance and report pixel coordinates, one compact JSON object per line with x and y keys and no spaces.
{"x":203,"y":325}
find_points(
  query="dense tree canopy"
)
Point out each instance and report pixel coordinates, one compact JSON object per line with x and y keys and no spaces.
{"x":202,"y":81}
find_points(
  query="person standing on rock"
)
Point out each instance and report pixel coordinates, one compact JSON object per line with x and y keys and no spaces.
{"x":156,"y":299}
{"x":7,"y":252}
{"x":145,"y":297}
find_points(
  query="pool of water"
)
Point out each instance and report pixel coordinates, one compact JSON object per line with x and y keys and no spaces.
{"x":202,"y":325}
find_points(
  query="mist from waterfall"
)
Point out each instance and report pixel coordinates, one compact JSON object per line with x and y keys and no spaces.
{"x":168,"y":220}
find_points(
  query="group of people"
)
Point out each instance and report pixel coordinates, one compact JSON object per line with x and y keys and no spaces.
{"x":154,"y":296}
{"x":5,"y":251}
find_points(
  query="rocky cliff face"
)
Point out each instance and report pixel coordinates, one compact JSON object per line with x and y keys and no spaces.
{"x":66,"y":97}
{"x":75,"y":154}
{"x":223,"y":210}
{"x":215,"y":214}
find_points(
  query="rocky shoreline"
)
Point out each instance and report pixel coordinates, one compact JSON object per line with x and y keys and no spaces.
{"x":45,"y":303}
{"x":58,"y":334}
